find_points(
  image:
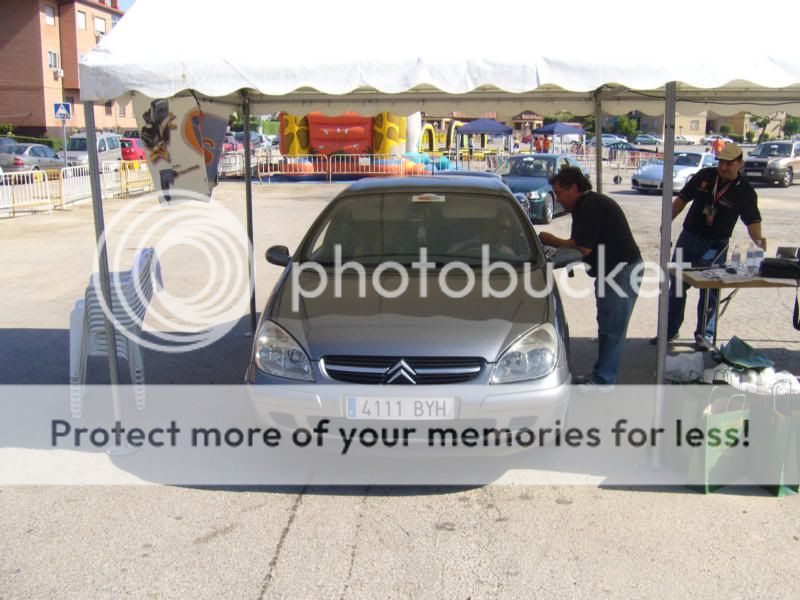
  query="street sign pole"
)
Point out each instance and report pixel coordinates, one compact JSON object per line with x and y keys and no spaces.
{"x":64,"y":147}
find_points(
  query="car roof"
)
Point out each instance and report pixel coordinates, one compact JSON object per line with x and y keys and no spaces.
{"x":441,"y":183}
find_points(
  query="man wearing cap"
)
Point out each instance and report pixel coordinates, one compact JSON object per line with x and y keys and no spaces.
{"x":719,"y":196}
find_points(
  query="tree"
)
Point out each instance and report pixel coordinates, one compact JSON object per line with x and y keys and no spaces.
{"x":725,"y":129}
{"x":6,"y":129}
{"x":624,"y":125}
{"x":791,"y":126}
{"x":762,"y":123}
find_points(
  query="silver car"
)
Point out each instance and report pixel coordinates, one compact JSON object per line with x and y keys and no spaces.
{"x":650,"y":176}
{"x":28,"y":157}
{"x":773,"y":162}
{"x":387,"y":355}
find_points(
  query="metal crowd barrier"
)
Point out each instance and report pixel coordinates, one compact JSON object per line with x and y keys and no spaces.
{"x":24,"y":191}
{"x":28,"y":191}
{"x":135,"y":177}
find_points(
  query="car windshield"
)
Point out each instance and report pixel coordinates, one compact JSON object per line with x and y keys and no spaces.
{"x":772,"y":150}
{"x":527,"y":166}
{"x":77,"y":144}
{"x":376,"y":228}
{"x":17,"y":149}
{"x":126,"y":143}
{"x":687,"y":160}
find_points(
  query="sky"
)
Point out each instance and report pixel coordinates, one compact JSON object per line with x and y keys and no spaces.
{"x":126,"y":4}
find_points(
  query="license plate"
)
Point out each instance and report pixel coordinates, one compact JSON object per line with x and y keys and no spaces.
{"x":756,"y":173}
{"x":381,"y":408}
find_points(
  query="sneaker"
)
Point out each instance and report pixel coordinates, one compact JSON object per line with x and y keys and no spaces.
{"x":591,"y":387}
{"x":580,"y":379}
{"x":703,"y":343}
{"x":654,"y":341}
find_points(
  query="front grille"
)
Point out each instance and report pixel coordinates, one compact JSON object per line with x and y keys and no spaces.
{"x":398,"y":370}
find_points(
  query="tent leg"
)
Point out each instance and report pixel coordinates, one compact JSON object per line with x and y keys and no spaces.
{"x":666,"y":237}
{"x":598,"y":145}
{"x":102,"y":254}
{"x":248,"y":193}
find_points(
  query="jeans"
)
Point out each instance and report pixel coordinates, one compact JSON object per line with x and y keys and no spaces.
{"x":613,"y":315}
{"x":698,"y":251}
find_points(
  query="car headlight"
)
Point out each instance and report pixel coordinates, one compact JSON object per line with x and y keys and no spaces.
{"x":277,"y":353}
{"x":533,"y":195}
{"x":532,"y":356}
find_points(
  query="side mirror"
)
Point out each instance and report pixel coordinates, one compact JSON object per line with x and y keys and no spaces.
{"x":565,"y":256}
{"x":278,"y":255}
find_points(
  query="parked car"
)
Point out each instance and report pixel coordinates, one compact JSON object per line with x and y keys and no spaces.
{"x":773,"y":162}
{"x":648,"y":139}
{"x":650,"y":177}
{"x":7,"y":141}
{"x":28,"y":157}
{"x":255,"y":140}
{"x":108,"y":149}
{"x":132,"y":149}
{"x":709,"y":139}
{"x":340,"y":354}
{"x":607,"y":139}
{"x":528,"y":174}
{"x":683,"y":140}
{"x":229,"y":143}
{"x":131,"y":133}
{"x":522,"y":199}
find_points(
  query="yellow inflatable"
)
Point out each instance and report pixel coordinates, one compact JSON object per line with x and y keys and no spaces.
{"x":294,"y":135}
{"x":427,"y":140}
{"x":388,"y":134}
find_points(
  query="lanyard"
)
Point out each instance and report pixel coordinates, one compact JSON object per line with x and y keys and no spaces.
{"x":721,"y":193}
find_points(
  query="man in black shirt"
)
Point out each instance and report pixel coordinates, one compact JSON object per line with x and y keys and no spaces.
{"x":719,"y":196}
{"x":602,"y":234}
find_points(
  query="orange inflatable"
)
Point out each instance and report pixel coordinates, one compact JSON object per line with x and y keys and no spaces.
{"x":349,"y":133}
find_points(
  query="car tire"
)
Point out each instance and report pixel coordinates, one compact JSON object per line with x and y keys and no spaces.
{"x":548,"y":209}
{"x":788,"y":177}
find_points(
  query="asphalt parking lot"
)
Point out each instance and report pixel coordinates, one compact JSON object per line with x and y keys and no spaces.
{"x":495,"y":541}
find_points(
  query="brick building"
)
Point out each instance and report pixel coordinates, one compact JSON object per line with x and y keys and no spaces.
{"x":41,"y":42}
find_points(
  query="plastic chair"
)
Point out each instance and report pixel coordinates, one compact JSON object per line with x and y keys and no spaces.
{"x":131,"y":292}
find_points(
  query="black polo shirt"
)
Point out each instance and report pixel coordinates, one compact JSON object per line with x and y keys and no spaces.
{"x":598,"y":220}
{"x":740,"y":200}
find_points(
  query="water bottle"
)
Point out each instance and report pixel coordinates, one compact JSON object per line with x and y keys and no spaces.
{"x":736,"y":259}
{"x":751,"y":259}
{"x":759,"y":256}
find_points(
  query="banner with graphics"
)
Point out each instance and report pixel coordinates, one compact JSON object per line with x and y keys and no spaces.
{"x":183,"y":138}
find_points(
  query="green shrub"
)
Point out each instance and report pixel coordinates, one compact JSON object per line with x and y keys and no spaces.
{"x":736,"y":138}
{"x":6,"y":129}
{"x":750,"y":136}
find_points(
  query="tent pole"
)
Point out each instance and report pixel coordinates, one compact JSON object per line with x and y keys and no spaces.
{"x":248,"y":194}
{"x":102,"y":253}
{"x":598,"y":145}
{"x":666,"y":237}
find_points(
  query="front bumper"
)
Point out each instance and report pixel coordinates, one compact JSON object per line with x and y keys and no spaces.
{"x":761,"y":173}
{"x":533,"y":404}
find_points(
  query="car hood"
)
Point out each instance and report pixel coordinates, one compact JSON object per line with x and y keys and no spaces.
{"x":409,"y":325}
{"x":526,"y":184}
{"x":656,"y":171}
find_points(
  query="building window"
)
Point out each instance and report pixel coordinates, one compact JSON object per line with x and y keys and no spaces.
{"x":99,"y":25}
{"x":49,"y":15}
{"x":121,"y":111}
{"x":114,"y":20}
{"x":109,"y":108}
{"x":81,"y":20}
{"x":52,"y":59}
{"x":694,"y":125}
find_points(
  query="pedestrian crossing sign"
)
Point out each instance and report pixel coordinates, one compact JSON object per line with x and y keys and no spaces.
{"x":63,"y":110}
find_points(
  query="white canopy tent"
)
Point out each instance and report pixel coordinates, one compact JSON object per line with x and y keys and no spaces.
{"x":415,"y":56}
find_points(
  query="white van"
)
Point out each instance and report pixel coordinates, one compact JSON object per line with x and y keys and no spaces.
{"x":108,"y":149}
